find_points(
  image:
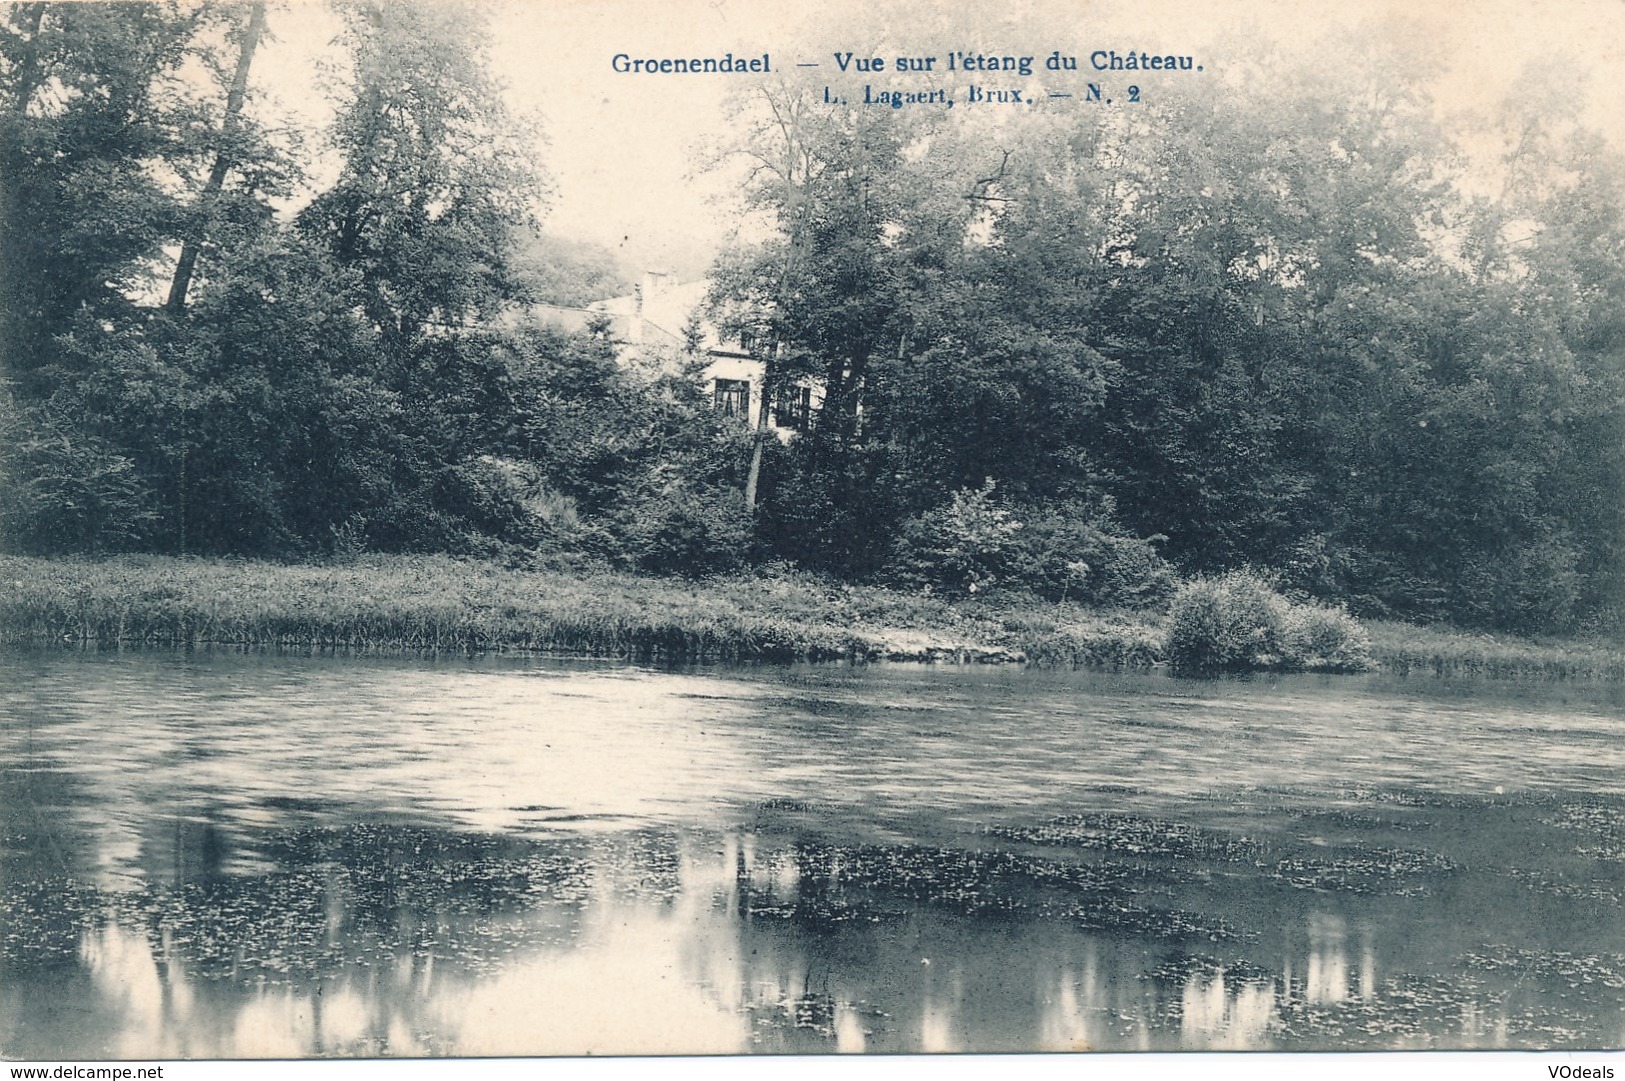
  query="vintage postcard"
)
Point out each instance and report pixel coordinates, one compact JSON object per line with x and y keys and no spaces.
{"x":718,"y":527}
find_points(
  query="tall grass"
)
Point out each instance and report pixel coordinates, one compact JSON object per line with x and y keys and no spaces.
{"x":443,"y":604}
{"x":1405,"y":649}
{"x":1071,"y":636}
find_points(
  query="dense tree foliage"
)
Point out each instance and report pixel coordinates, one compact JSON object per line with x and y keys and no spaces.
{"x":1281,"y":329}
{"x":1305,"y":331}
{"x":336,"y":381}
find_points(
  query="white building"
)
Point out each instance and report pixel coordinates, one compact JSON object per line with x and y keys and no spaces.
{"x":659,"y":316}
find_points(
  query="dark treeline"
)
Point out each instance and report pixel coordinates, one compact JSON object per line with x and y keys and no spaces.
{"x":1277,"y":322}
{"x":345,"y":376}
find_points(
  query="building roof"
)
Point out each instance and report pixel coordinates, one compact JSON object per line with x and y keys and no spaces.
{"x":658,"y":311}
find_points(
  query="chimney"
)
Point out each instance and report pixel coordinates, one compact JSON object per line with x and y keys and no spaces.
{"x":656,"y":282}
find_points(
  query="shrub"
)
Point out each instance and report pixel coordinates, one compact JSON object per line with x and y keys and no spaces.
{"x":349,"y":540}
{"x":1060,"y":551}
{"x":509,"y":499}
{"x":1226,"y":624}
{"x":966,"y":544}
{"x":1071,"y":551}
{"x":1239,"y":622}
{"x":488,"y":495}
{"x":691,"y":530}
{"x":72,"y":494}
{"x":1325,"y":639}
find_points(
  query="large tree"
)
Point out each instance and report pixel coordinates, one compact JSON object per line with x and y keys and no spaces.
{"x":435,"y":172}
{"x":90,"y":100}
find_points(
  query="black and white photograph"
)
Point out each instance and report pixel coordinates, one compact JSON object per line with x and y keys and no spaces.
{"x":537,"y":529}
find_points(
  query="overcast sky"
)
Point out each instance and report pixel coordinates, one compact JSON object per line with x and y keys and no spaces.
{"x":623,"y":150}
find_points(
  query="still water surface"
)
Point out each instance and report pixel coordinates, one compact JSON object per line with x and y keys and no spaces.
{"x":224,"y":855}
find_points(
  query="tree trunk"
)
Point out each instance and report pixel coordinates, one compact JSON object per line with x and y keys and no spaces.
{"x":757,"y":438}
{"x":788,"y":122}
{"x":28,"y":76}
{"x":187,"y":264}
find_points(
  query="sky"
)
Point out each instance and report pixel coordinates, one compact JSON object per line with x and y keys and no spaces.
{"x":625,"y":152}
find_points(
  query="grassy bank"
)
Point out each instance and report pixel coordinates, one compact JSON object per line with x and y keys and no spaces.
{"x":1405,"y":648}
{"x":437,"y":603}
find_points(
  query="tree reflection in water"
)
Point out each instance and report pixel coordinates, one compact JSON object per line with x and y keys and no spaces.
{"x":378,"y":940}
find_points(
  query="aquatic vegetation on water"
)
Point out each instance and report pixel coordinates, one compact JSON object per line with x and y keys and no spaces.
{"x":1575,"y":970}
{"x":363,"y":896}
{"x":1134,"y":836}
{"x":1360,"y":868}
{"x":1401,"y":1013}
{"x":1603,"y":824}
{"x":1355,"y":820}
{"x":1384,"y":797}
{"x":1235,"y":974}
{"x":342,"y":906}
{"x":1002,"y":884}
{"x":1388,"y":871}
{"x":1207,"y":998}
{"x":1590,"y":892}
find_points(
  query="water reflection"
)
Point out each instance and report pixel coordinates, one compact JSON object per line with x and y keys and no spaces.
{"x":1213,"y":1017}
{"x":697,"y":943}
{"x":198,"y":861}
{"x":1327,"y":976}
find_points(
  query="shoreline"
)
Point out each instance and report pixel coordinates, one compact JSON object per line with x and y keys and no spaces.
{"x":440,"y":604}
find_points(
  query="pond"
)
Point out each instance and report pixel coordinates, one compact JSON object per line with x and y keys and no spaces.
{"x":245,"y":855}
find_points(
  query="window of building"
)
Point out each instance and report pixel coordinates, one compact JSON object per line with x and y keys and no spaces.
{"x":733,"y":397}
{"x":792,"y":408}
